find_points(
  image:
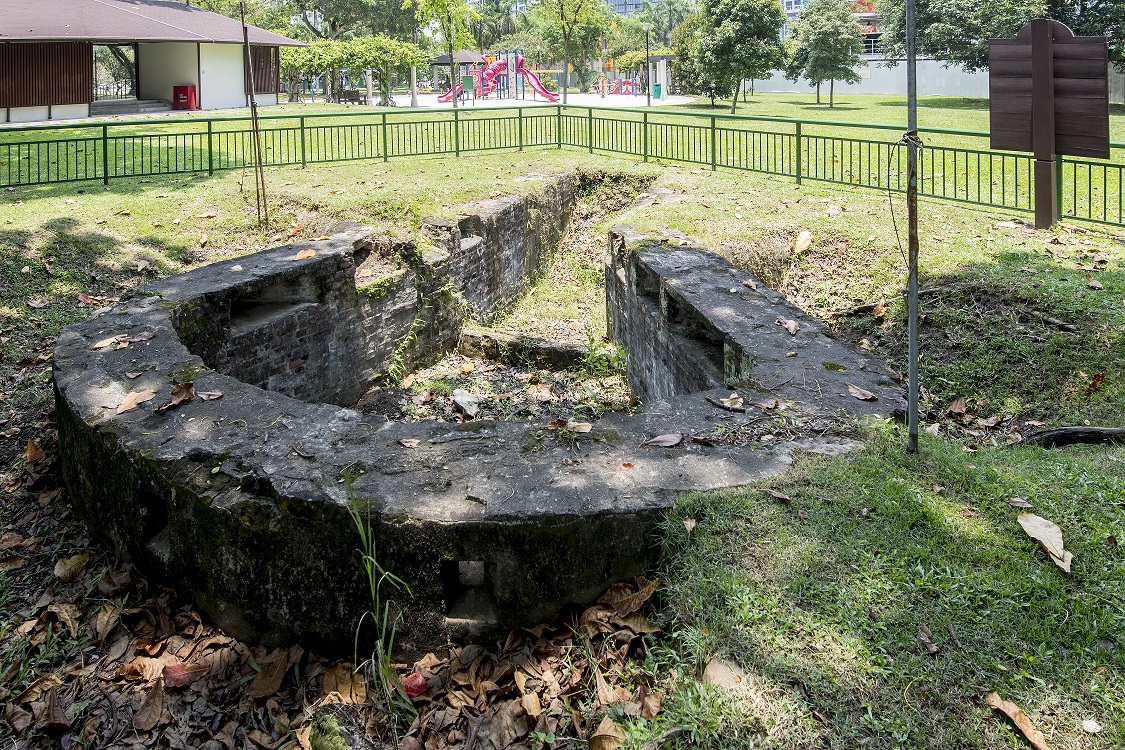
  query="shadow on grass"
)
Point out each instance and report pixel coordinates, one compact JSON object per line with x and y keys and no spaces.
{"x":942,"y":102}
{"x":1024,"y":335}
{"x":830,"y":596}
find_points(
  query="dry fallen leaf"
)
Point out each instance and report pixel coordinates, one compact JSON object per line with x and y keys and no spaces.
{"x":1091,"y":727}
{"x":410,"y":442}
{"x":1019,"y":718}
{"x":957,"y":407}
{"x":790,"y":325}
{"x":669,"y":440}
{"x":179,"y":674}
{"x":348,"y":686}
{"x":132,"y":400}
{"x":734,"y":401}
{"x":608,"y":736}
{"x":879,"y":310}
{"x":1094,"y":384}
{"x":296,"y":229}
{"x":861,"y":394}
{"x":208,"y":395}
{"x":1093,"y":283}
{"x":689,"y":524}
{"x":69,"y":568}
{"x":274,"y":667}
{"x":776,"y":495}
{"x":580,"y":427}
{"x":802,"y":243}
{"x":181,"y":393}
{"x":928,"y":640}
{"x":1049,"y":536}
{"x":148,"y":715}
{"x":308,"y":252}
{"x":1019,"y":502}
{"x":208,"y":215}
{"x":203,"y":239}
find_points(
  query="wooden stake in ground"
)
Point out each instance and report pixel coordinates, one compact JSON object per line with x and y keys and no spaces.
{"x":912,"y":227}
{"x":259,"y":170}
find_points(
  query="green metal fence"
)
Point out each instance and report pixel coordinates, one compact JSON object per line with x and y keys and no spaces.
{"x":955,"y":165}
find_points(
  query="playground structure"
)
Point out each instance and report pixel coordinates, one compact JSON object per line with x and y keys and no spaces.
{"x":505,"y":76}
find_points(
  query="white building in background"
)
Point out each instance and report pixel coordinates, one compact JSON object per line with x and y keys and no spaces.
{"x":935,"y":78}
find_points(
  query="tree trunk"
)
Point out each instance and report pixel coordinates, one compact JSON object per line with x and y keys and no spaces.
{"x":734,"y":97}
{"x":831,"y":93}
{"x":566,"y":67}
{"x":818,"y":92}
{"x":294,"y":77}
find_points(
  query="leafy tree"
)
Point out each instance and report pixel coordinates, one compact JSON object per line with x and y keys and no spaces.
{"x":685,"y":72}
{"x":665,"y":16}
{"x":739,"y":39}
{"x":958,"y":31}
{"x":826,"y":42}
{"x":453,"y":19}
{"x":378,"y":51}
{"x":497,"y":19}
{"x":573,"y":21}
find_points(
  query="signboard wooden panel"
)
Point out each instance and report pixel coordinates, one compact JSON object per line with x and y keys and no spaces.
{"x":1078,"y":67}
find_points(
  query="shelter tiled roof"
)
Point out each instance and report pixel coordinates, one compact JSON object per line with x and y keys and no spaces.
{"x":123,"y":21}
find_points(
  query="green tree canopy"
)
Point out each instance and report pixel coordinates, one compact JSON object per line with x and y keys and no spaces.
{"x":958,"y":31}
{"x":453,"y":20}
{"x":685,"y":72}
{"x":739,"y":39}
{"x":824,"y":45}
{"x":665,"y":16}
{"x":578,"y":24}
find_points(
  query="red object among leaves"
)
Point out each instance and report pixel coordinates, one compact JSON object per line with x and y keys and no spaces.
{"x":414,"y":684}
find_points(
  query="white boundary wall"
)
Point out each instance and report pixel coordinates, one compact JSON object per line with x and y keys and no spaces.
{"x":934,"y":79}
{"x":1116,"y":86}
{"x":40,"y":114}
{"x":162,"y":65}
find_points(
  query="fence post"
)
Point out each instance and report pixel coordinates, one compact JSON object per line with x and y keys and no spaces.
{"x":456,"y":132}
{"x":520,"y":113}
{"x":712,"y":143}
{"x":304,"y":161}
{"x":1060,"y":162}
{"x":800,"y":157}
{"x":590,"y":129}
{"x":558,"y":125}
{"x":645,"y":126}
{"x":210,"y":150}
{"x":385,"y":157}
{"x":105,"y":154}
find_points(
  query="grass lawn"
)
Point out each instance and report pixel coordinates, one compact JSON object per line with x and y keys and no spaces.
{"x":959,"y":113}
{"x":820,"y":599}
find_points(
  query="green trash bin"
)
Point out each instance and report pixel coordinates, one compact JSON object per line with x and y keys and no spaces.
{"x":656,"y":91}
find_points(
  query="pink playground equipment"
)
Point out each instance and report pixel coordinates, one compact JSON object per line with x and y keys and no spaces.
{"x":492,"y":70}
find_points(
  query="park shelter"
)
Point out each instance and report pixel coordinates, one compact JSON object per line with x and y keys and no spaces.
{"x":47,"y":53}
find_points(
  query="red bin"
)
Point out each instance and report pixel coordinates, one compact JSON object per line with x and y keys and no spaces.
{"x":183,"y":97}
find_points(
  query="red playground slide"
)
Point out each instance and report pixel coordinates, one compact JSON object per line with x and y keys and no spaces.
{"x":490,"y":72}
{"x":496,"y":68}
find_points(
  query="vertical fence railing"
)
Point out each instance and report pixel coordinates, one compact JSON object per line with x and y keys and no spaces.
{"x":860,"y":154}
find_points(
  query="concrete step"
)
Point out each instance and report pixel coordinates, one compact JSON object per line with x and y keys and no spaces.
{"x":128,"y":107}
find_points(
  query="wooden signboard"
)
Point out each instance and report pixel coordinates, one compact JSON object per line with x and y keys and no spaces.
{"x":1049,"y":94}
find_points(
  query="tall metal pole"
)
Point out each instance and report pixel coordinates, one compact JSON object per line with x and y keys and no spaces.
{"x":259,"y":169}
{"x":648,"y":83}
{"x":912,"y":227}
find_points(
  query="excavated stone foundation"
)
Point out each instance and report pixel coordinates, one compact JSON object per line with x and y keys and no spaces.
{"x":242,"y":501}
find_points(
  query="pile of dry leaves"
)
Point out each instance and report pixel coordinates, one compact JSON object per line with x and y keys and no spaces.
{"x":92,"y":655}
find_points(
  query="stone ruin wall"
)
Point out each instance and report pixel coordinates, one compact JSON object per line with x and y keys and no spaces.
{"x":242,"y":502}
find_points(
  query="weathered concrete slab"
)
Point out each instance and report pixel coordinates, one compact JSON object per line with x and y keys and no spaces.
{"x":242,"y":502}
